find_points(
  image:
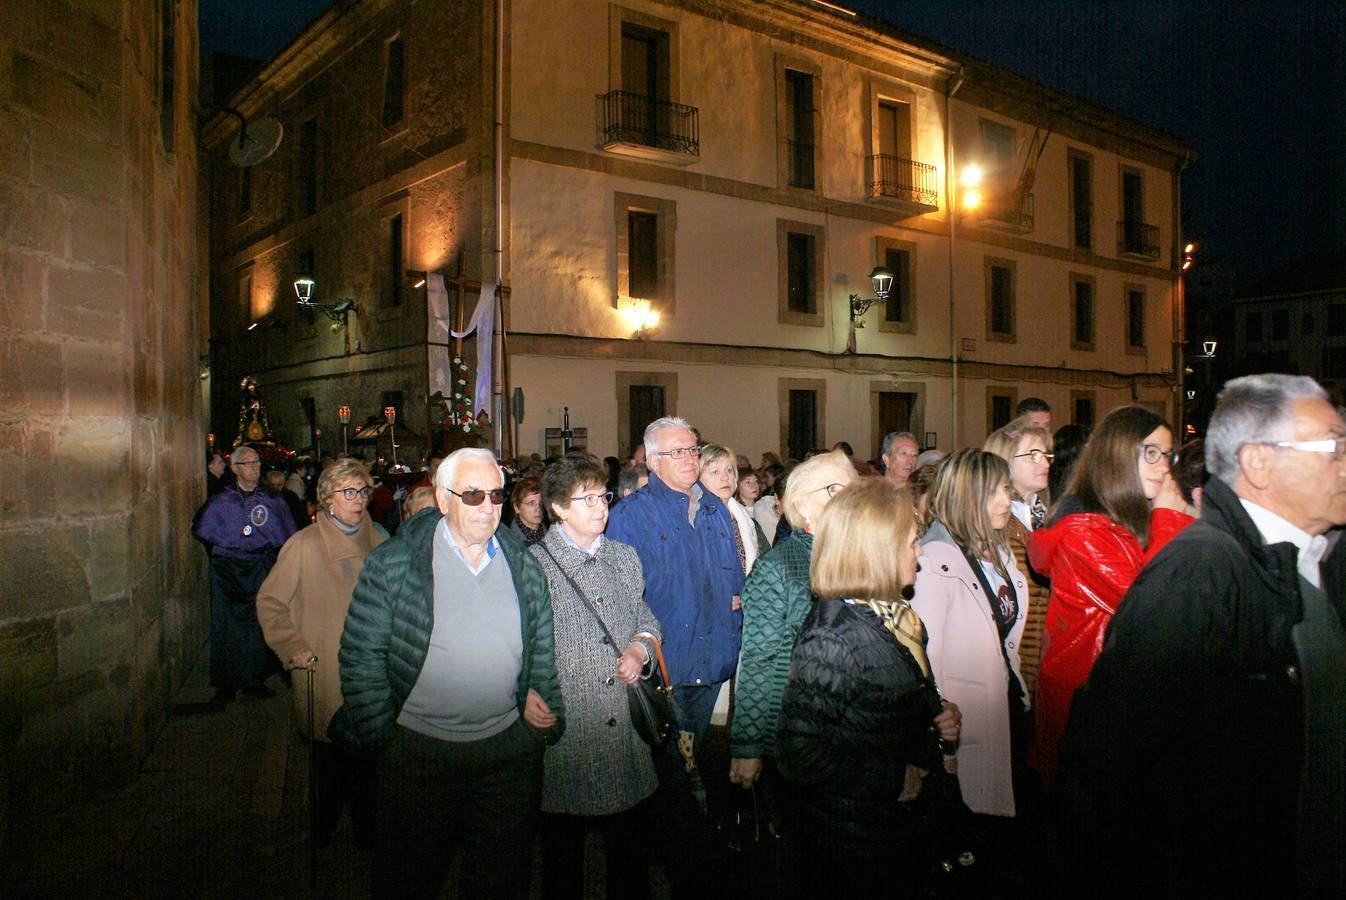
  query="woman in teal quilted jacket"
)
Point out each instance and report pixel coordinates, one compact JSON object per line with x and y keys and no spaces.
{"x":776,"y":599}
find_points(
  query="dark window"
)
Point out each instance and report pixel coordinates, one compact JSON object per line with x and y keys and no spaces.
{"x":1336,"y":319}
{"x":1083,"y":325}
{"x":1280,"y":324}
{"x":307,"y":192}
{"x":244,"y":191}
{"x":646,"y":403}
{"x":394,"y":275}
{"x":1135,"y":318}
{"x":800,"y":272}
{"x":1084,"y":412}
{"x":394,"y":84}
{"x":803,"y":425}
{"x":1306,"y":323}
{"x":1002,"y":300}
{"x":166,"y":70}
{"x":645,"y":61}
{"x":1133,"y":199}
{"x":894,"y":129}
{"x":1254,"y":322}
{"x":643,"y":254}
{"x":799,"y":127}
{"x":898,"y":306}
{"x":1002,"y":410}
{"x":1082,"y":201}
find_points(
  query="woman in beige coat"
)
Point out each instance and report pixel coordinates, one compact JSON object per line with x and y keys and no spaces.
{"x":302,"y":608}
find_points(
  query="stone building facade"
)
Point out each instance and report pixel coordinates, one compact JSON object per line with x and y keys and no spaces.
{"x":735,"y":168}
{"x":101,"y":469}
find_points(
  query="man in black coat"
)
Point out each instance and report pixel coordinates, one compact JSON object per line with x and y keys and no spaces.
{"x":1208,"y":746}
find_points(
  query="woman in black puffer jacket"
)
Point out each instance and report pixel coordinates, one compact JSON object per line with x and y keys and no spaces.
{"x":860,"y":720}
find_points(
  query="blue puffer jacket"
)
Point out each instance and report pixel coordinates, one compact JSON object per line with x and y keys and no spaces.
{"x":691,"y":577}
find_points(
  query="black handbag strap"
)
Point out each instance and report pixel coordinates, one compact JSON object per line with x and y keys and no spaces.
{"x":991,"y":599}
{"x":576,"y":588}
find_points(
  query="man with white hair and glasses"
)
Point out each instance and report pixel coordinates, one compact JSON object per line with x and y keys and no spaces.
{"x":448,"y":674}
{"x":683,"y":536}
{"x":1209,"y":744}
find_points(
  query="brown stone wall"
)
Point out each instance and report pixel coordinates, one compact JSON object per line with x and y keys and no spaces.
{"x":102,"y":602}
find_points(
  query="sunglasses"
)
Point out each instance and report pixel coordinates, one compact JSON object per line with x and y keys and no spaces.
{"x":476,"y":496}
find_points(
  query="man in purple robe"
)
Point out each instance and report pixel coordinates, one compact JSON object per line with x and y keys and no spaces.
{"x":243,"y":528}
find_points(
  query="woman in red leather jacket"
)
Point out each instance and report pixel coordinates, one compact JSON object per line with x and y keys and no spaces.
{"x":1121,"y":506}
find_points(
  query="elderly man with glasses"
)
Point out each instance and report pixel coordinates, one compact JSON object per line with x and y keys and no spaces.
{"x":448,"y":674}
{"x":684,"y":537}
{"x":1209,"y":743}
{"x":243,"y":528}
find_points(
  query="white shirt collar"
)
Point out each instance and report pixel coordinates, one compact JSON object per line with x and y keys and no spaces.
{"x":570,"y":541}
{"x":1022,"y":512}
{"x":1276,"y":530}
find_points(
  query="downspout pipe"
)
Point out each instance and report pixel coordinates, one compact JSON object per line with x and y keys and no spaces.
{"x":498,"y":335}
{"x":951,"y":199}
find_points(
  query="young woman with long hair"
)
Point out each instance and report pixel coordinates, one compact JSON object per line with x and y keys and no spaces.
{"x":1121,"y":506}
{"x":971,"y":597}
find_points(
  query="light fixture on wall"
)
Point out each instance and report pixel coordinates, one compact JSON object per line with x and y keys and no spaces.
{"x":1207,"y":350}
{"x":417,"y":278}
{"x":304,"y":289}
{"x":642,"y":317}
{"x":858,"y":306}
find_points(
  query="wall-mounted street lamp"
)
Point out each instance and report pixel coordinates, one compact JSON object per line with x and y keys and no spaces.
{"x":344,"y":417}
{"x":641,"y":317}
{"x":304,"y":288}
{"x":858,"y":306}
{"x":1207,"y":350}
{"x":1188,"y":251}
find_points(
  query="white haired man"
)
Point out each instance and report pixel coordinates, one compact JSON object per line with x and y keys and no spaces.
{"x":448,"y":674}
{"x":1209,"y":742}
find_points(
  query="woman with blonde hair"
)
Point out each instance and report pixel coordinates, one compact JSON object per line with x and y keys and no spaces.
{"x":719,"y":473}
{"x":861,"y":722}
{"x":776,"y":599}
{"x":972,"y":597}
{"x":302,"y":607}
{"x":1027,"y":448}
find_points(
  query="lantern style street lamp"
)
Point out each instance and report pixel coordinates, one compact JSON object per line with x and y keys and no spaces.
{"x":858,"y":306}
{"x":344,"y":415}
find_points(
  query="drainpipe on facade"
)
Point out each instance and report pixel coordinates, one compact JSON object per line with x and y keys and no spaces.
{"x":951,"y":198}
{"x":498,"y":334}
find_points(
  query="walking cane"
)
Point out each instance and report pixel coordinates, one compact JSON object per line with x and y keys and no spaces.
{"x":312,"y":779}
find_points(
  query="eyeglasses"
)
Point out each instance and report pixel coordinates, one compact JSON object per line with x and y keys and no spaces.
{"x":679,"y":452}
{"x":1335,"y":446}
{"x":476,"y":496}
{"x":1153,"y":453}
{"x":1037,"y":456}
{"x":592,"y":500}
{"x":351,"y":494}
{"x":830,"y":488}
{"x":251,"y":462}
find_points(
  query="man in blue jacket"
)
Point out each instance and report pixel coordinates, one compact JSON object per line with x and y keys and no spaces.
{"x":684,"y":537}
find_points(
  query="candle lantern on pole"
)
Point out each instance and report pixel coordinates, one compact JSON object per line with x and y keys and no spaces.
{"x":344,"y":415}
{"x":390,"y":415}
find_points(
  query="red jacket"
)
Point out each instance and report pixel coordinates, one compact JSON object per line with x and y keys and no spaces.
{"x":1091,"y":562}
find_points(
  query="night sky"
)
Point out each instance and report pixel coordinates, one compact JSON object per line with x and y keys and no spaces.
{"x":1257,"y":89}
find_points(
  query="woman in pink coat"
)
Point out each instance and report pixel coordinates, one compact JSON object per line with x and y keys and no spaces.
{"x":972,"y":599}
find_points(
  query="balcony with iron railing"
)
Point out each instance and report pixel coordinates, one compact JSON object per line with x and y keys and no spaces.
{"x":1135,"y":238}
{"x":1008,"y":212}
{"x":646,"y":127}
{"x":903,"y":182}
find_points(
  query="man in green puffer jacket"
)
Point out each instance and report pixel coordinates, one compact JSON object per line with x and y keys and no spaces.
{"x":448,"y":674}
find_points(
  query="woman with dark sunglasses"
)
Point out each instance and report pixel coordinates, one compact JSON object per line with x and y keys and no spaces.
{"x":1121,"y":506}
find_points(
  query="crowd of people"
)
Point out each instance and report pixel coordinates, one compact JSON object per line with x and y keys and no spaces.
{"x":1110,"y":664}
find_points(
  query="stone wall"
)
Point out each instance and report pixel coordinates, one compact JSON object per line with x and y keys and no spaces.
{"x":102,"y":594}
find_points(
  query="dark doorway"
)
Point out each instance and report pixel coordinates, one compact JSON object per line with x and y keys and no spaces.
{"x":646,"y":404}
{"x":802,"y":434}
{"x":894,"y":413}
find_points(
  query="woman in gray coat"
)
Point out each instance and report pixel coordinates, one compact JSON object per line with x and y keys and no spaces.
{"x":598,"y":772}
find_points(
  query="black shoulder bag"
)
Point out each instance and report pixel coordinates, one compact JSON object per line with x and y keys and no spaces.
{"x":651,"y":698}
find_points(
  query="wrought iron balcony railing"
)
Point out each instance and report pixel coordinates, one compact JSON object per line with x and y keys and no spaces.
{"x":902,"y":179}
{"x":800,"y":156}
{"x":629,"y":118}
{"x":1013,"y":211}
{"x":1138,"y":239}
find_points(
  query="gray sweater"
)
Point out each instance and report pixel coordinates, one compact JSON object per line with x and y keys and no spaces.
{"x":601,"y":766}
